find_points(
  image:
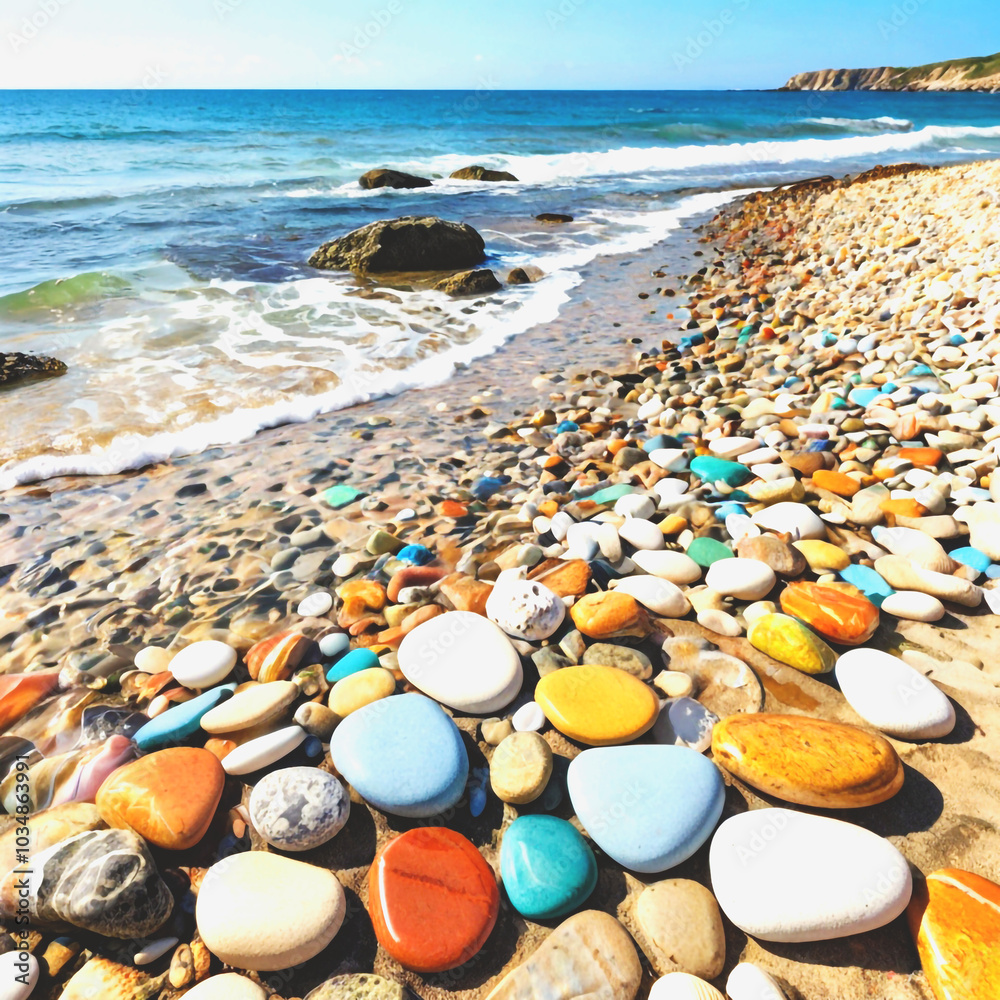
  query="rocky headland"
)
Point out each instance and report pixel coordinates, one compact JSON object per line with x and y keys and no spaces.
{"x":978,"y":74}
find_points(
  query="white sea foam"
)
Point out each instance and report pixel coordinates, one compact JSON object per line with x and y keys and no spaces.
{"x":884,"y":123}
{"x":512,"y":315}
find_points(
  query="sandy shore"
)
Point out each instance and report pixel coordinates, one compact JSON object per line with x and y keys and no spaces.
{"x":226,"y":543}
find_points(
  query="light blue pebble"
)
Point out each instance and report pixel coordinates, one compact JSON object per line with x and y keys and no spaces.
{"x":870,"y":583}
{"x":612,"y":493}
{"x":993,"y":572}
{"x":547,"y":868}
{"x":417,"y":555}
{"x":355,"y":660}
{"x":730,"y":507}
{"x":648,"y":807}
{"x":178,"y":723}
{"x":567,"y":425}
{"x":862,"y":397}
{"x":402,"y":754}
{"x":968,"y":556}
{"x":710,"y":469}
{"x":335,"y":644}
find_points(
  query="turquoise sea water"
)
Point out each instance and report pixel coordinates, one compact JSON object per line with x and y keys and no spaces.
{"x":156,"y":240}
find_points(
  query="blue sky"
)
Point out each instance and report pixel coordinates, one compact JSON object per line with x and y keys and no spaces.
{"x":518,"y":44}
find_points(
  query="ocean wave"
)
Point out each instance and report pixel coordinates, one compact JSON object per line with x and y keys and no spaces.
{"x":63,"y":293}
{"x":884,"y":123}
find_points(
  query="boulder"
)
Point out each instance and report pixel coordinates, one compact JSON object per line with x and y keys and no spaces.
{"x":518,"y":277}
{"x":18,"y":367}
{"x":392,"y":179}
{"x":411,"y":243}
{"x":478,"y":173}
{"x":553,"y":217}
{"x":477,"y":282}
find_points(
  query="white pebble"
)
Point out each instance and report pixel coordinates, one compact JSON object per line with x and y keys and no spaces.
{"x":315,"y":604}
{"x":203,"y":663}
{"x":154,"y":950}
{"x":750,"y":982}
{"x":529,"y":718}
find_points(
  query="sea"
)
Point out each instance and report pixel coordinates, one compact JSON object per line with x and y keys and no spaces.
{"x":157,"y":241}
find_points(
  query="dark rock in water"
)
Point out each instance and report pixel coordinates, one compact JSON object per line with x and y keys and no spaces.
{"x":412,"y":243}
{"x":469,"y":283}
{"x":392,"y":179}
{"x":478,"y":173}
{"x":553,"y":217}
{"x":518,"y":277}
{"x":19,"y":367}
{"x":103,"y":881}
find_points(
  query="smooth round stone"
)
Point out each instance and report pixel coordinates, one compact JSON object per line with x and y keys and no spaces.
{"x":811,"y":762}
{"x":264,"y":750}
{"x":597,"y":705}
{"x":495,"y":731}
{"x":648,"y":807}
{"x":641,"y":533}
{"x":681,"y":986}
{"x":669,"y":565}
{"x":315,"y":604}
{"x":462,"y":660}
{"x":954,"y":917}
{"x":914,"y":606}
{"x":203,"y":663}
{"x":351,"y":663}
{"x":744,"y":579}
{"x":608,"y":654}
{"x":846,"y":618}
{"x":868,"y":582}
{"x":335,"y":644}
{"x":227,"y":986}
{"x":153,"y":950}
{"x":183,"y":720}
{"x":635,"y":505}
{"x":705,"y":551}
{"x":524,"y":609}
{"x":822,"y":556}
{"x":152,"y":659}
{"x":17,"y":978}
{"x":299,"y":808}
{"x":720,"y":622}
{"x":750,"y":982}
{"x":893,"y":696}
{"x":787,"y":640}
{"x":739,"y":526}
{"x":168,"y":797}
{"x":589,"y":955}
{"x":317,"y":720}
{"x":360,"y":986}
{"x":433,"y":899}
{"x":404,"y":755}
{"x":732,"y":447}
{"x":608,"y":614}
{"x":547,"y":868}
{"x":685,"y":722}
{"x":674,"y":683}
{"x":264,"y":912}
{"x":360,"y":689}
{"x":529,"y":718}
{"x":714,"y":470}
{"x":250,"y":707}
{"x":682,"y":927}
{"x":788,"y":876}
{"x":661,"y":596}
{"x":520,"y":768}
{"x":796,"y":519}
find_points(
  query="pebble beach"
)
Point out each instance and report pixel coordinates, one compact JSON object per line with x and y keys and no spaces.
{"x":651,"y":656}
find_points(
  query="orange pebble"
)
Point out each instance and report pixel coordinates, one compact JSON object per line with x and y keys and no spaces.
{"x":220,"y":747}
{"x":370,"y":592}
{"x":391,"y":637}
{"x":452,"y":508}
{"x":548,"y":507}
{"x":836,"y":482}
{"x":616,"y":445}
{"x":925,"y":457}
{"x":903,"y":507}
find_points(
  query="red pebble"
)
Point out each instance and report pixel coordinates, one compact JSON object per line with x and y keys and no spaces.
{"x":413,"y":576}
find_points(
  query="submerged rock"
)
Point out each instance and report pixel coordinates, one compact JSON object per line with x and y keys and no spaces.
{"x":477,"y":282}
{"x":18,"y":367}
{"x":392,"y":179}
{"x":553,"y":217}
{"x":410,"y":243}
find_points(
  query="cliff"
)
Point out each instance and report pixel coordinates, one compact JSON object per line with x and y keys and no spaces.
{"x":977,"y":73}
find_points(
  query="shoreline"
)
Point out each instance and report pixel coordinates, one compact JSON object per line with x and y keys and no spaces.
{"x":224,"y":544}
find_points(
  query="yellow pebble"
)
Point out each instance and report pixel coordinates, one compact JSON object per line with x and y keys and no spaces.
{"x":786,"y":639}
{"x":822,"y":556}
{"x":360,"y":689}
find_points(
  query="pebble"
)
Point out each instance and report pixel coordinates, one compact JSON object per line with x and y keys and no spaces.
{"x":203,"y":663}
{"x":590,"y":954}
{"x":677,"y":567}
{"x":661,"y":596}
{"x":681,"y":986}
{"x":808,"y":761}
{"x":632,"y":661}
{"x":264,"y":750}
{"x":705,"y":551}
{"x":786,"y":876}
{"x":334,"y":644}
{"x":744,"y":579}
{"x":183,"y":720}
{"x":597,"y":705}
{"x":433,"y":899}
{"x":17,"y":977}
{"x":153,"y":950}
{"x":525,"y":609}
{"x":608,"y":614}
{"x":893,"y":696}
{"x":495,"y":731}
{"x":403,"y":755}
{"x":720,"y":622}
{"x":717,"y":470}
{"x":438,"y":656}
{"x":252,"y":706}
{"x":782,"y":558}
{"x":796,"y":519}
{"x":276,"y":657}
{"x":226,"y":986}
{"x":264,"y":912}
{"x":870,"y":583}
{"x":903,"y":575}
{"x":635,"y":505}
{"x":787,"y":640}
{"x":529,"y":718}
{"x":360,"y":689}
{"x":547,"y":868}
{"x":682,"y":927}
{"x":315,"y":604}
{"x":299,"y":808}
{"x":168,"y":797}
{"x":684,"y":722}
{"x":317,"y":720}
{"x":838,"y":615}
{"x":520,"y":768}
{"x":954,"y":917}
{"x":641,"y":533}
{"x":823,"y":557}
{"x":351,"y":663}
{"x":648,"y":807}
{"x":674,"y":684}
{"x":751,"y":982}
{"x":360,"y":986}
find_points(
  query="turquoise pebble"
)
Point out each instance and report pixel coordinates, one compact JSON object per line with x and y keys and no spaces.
{"x":351,"y":663}
{"x":862,"y":397}
{"x":705,"y":551}
{"x":418,"y":555}
{"x":870,"y":583}
{"x":402,"y":754}
{"x":547,"y":868}
{"x":566,"y":425}
{"x":612,"y":493}
{"x":968,"y":556}
{"x":178,"y":723}
{"x":341,"y":496}
{"x":725,"y":509}
{"x":710,"y":469}
{"x":335,"y":644}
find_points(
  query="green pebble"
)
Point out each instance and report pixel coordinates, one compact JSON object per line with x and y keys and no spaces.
{"x":381,"y":542}
{"x":705,"y":551}
{"x":612,"y":493}
{"x":341,"y":496}
{"x":710,"y":469}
